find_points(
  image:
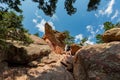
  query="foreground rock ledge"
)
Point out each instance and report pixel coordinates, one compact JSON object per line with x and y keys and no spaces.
{"x":21,"y":54}
{"x":49,"y":69}
{"x":98,"y":62}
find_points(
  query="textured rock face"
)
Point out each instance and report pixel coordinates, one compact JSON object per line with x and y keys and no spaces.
{"x":98,"y":62}
{"x":111,"y":35}
{"x":49,"y":69}
{"x":54,"y":39}
{"x":20,"y":54}
{"x":75,"y":48}
{"x":37,"y":40}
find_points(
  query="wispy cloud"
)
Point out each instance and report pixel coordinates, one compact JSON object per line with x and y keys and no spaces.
{"x":37,"y":15}
{"x":89,"y":41}
{"x":115,"y":15}
{"x":40,"y":25}
{"x":107,"y":10}
{"x":92,"y":33}
{"x":91,"y":30}
{"x":96,"y":15}
{"x":34,"y":20}
{"x":101,"y":26}
{"x":78,"y":38}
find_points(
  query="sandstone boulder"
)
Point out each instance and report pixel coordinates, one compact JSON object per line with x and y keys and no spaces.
{"x":75,"y":48}
{"x":37,"y":40}
{"x":98,"y":62}
{"x":20,"y":54}
{"x":111,"y":35}
{"x":54,"y":39}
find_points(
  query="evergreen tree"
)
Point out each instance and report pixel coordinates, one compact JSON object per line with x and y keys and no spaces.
{"x":49,"y":7}
{"x":108,"y":25}
{"x":11,"y":27}
{"x":69,"y":39}
{"x":83,"y":41}
{"x":36,"y":34}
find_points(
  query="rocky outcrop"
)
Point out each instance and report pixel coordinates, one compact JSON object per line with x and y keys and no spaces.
{"x":49,"y":68}
{"x":98,"y":62}
{"x":37,"y":40}
{"x":42,"y":64}
{"x":92,"y":62}
{"x":20,"y":54}
{"x":111,"y":35}
{"x":75,"y":48}
{"x":54,"y":39}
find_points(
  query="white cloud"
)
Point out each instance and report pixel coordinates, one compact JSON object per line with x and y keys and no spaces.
{"x":78,"y":38}
{"x":37,"y":15}
{"x":101,"y":12}
{"x":51,"y":24}
{"x":91,"y":36}
{"x":96,"y":15}
{"x":89,"y":42}
{"x":108,"y":10}
{"x":93,"y":32}
{"x":89,"y":28}
{"x":101,"y":26}
{"x":40,"y":25}
{"x":115,"y":15}
{"x":34,"y":20}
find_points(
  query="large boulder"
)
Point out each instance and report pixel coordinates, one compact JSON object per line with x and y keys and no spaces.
{"x":16,"y":53}
{"x":111,"y":35}
{"x":98,"y":62}
{"x":55,"y":39}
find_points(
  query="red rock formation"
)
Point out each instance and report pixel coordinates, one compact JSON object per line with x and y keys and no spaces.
{"x":75,"y":48}
{"x":54,"y":39}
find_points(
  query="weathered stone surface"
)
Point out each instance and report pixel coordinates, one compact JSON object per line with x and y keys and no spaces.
{"x":48,"y":71}
{"x":75,"y":48}
{"x":53,"y":72}
{"x":37,"y":40}
{"x":54,"y":39}
{"x":67,"y":62}
{"x":20,"y":54}
{"x":98,"y":62}
{"x":111,"y":35}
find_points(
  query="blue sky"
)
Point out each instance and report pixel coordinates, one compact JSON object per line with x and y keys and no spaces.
{"x":81,"y":24}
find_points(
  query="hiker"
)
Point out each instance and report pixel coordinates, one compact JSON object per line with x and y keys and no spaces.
{"x":67,"y":60}
{"x":67,"y":49}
